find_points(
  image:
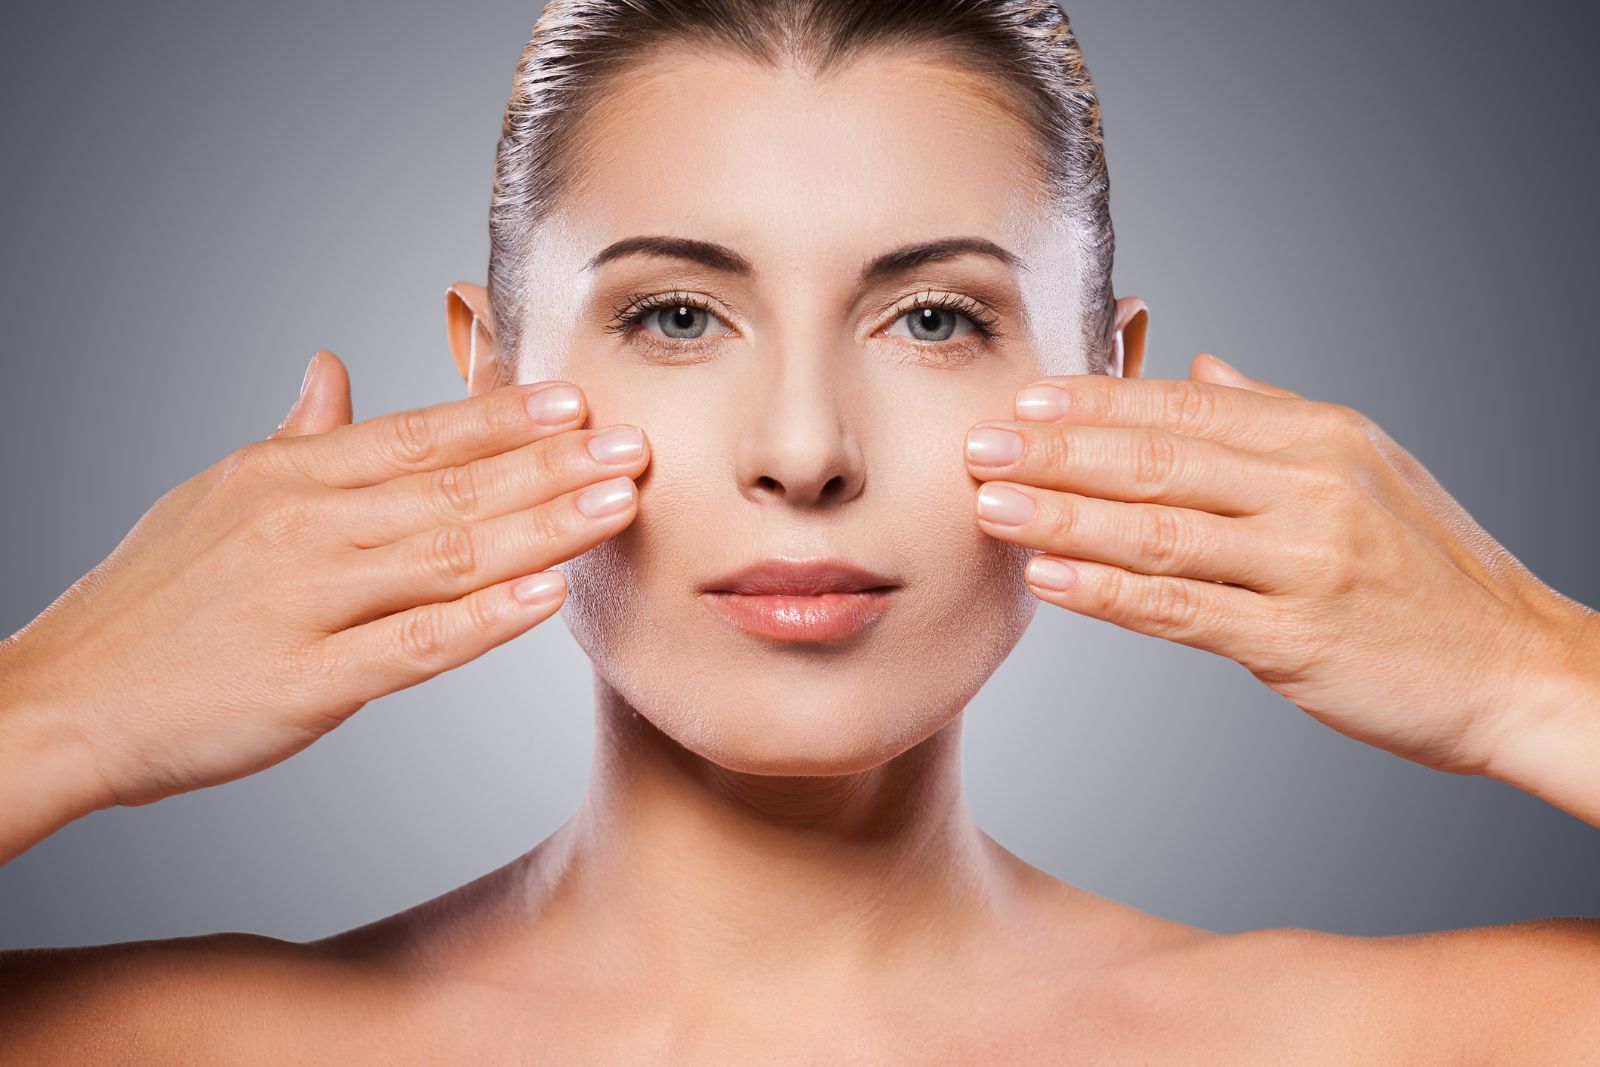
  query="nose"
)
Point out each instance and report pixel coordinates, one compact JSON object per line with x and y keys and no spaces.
{"x":798,"y":443}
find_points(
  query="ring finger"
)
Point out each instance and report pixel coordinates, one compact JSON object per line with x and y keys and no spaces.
{"x":450,"y":561}
{"x":1147,"y":538}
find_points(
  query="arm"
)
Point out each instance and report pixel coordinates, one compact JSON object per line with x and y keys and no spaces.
{"x":1550,"y":744}
{"x":264,"y":601}
{"x":46,"y":775}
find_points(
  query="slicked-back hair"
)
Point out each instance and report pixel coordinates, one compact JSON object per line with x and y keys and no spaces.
{"x":578,"y":47}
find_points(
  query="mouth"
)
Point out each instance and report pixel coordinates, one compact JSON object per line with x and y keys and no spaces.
{"x":811,"y":601}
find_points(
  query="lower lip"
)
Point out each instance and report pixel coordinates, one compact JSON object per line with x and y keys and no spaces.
{"x":825,"y":617}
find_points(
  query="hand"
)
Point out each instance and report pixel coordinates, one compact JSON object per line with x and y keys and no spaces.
{"x":1290,"y":535}
{"x":262,"y":602}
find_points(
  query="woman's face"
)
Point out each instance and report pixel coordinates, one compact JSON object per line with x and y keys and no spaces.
{"x":808,"y":412}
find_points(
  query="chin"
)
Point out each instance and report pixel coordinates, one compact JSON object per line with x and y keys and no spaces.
{"x":756,"y":706}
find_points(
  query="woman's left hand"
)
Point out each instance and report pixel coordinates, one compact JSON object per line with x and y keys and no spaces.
{"x":1291,"y":535}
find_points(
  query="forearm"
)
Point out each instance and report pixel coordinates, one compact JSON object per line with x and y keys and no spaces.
{"x":46,"y":777}
{"x":1551,"y":744}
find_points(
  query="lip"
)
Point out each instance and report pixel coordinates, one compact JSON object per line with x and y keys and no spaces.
{"x":811,"y":601}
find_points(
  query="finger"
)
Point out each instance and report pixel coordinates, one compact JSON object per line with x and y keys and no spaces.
{"x":324,"y":400}
{"x":412,"y":646}
{"x":1133,"y":463}
{"x":446,"y":562}
{"x":495,"y":485}
{"x":443,"y":435}
{"x":1206,"y":367}
{"x":1208,"y":615}
{"x":1240,"y":417}
{"x":1149,"y":538}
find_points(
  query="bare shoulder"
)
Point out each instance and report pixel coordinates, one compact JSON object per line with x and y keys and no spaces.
{"x":1521,"y":992}
{"x":183,"y":999}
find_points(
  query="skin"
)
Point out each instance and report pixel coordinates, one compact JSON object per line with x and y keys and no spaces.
{"x":773,"y":855}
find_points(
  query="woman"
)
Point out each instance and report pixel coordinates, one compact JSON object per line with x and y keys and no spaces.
{"x":777,"y":391}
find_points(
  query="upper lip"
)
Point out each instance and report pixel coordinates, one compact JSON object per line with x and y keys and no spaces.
{"x":790,"y":577}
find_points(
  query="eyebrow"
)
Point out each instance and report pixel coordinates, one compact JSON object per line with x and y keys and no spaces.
{"x":722,"y":258}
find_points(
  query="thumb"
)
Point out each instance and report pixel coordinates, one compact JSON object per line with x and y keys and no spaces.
{"x":1208,"y":368}
{"x":324,"y":401}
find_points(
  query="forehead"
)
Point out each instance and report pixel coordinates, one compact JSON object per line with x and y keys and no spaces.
{"x":803,"y":174}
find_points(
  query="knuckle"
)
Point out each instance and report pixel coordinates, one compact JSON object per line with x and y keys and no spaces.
{"x":282,"y":519}
{"x":1190,"y":406}
{"x":547,"y":464}
{"x":549,"y":525}
{"x":1333,"y":483}
{"x":421,"y":634}
{"x":1065,"y":518}
{"x":1053,"y":448}
{"x":1155,"y":459}
{"x":1163,"y":538}
{"x":450,"y":553}
{"x":1107,"y":602}
{"x":244,"y":463}
{"x":505,"y":415}
{"x":1342,"y":422}
{"x":1170,"y":605}
{"x":481,"y":615}
{"x":1090,"y":400}
{"x":455,"y":491}
{"x":1290,"y":650}
{"x":411,"y":438}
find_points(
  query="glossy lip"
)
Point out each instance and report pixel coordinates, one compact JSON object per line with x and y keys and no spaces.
{"x":811,"y":601}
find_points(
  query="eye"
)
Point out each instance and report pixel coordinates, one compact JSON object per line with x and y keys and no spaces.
{"x":672,"y":317}
{"x":944,"y":318}
{"x":934,"y":324}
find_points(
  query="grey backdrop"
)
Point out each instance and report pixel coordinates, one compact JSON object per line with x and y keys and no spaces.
{"x":1385,"y":204}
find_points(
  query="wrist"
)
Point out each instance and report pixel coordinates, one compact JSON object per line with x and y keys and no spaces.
{"x":1549,"y":740}
{"x":48,"y":776}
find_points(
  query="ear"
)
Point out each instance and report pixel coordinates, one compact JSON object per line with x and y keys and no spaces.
{"x":471,"y":328}
{"x":1127,"y":345}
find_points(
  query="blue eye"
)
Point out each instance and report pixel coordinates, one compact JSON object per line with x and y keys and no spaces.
{"x":935,"y":323}
{"x":681,"y":320}
{"x":671,"y":317}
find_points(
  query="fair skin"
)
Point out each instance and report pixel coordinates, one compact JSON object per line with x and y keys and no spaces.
{"x":773,"y":855}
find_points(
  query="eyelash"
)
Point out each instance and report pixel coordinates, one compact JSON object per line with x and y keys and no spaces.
{"x":633,"y":310}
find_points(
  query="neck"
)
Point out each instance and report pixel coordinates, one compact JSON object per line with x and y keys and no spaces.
{"x":700,"y":870}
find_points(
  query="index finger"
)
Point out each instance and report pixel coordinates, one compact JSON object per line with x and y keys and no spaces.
{"x":1234,"y":416}
{"x":441,"y":435}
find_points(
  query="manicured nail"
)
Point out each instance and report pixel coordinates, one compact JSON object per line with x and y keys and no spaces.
{"x":606,"y":498}
{"x":1043,"y":402}
{"x":554,"y":405}
{"x":1001,"y":503}
{"x":539,"y":588}
{"x":617,"y":445}
{"x":1050,"y":574}
{"x":311,"y":371}
{"x":989,"y":446}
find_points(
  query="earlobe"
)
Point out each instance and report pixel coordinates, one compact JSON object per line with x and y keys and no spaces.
{"x":1127,"y":350}
{"x":470,"y":326}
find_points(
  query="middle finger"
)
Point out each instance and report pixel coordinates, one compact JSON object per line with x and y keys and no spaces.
{"x":1140,"y":464}
{"x":493,"y":485}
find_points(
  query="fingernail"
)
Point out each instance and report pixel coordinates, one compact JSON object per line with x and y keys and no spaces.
{"x":1000,"y":503}
{"x":310,"y":368}
{"x":1050,"y":574}
{"x":606,"y":498}
{"x":554,"y":405}
{"x":617,"y":445}
{"x":1043,"y":402}
{"x":989,"y":446}
{"x":539,"y":588}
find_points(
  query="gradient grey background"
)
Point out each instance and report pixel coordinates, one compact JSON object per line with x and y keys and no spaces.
{"x":1386,"y":205}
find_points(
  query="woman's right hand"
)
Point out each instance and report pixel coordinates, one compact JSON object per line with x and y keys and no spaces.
{"x":262,"y":602}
